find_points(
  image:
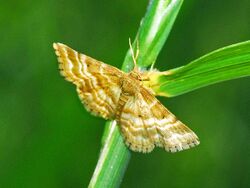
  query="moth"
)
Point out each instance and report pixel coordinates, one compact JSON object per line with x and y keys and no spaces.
{"x":112,"y":94}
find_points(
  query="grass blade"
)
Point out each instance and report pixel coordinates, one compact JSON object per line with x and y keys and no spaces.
{"x":226,"y":63}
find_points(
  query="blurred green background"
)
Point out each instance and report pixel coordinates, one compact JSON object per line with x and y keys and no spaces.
{"x":47,"y":139}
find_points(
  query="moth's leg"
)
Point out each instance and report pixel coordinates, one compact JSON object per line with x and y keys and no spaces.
{"x":152,"y":66}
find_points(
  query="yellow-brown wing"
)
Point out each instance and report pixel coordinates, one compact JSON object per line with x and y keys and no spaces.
{"x":98,"y":84}
{"x":146,"y":123}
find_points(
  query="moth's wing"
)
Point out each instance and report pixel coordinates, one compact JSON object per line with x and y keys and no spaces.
{"x":145,"y":122}
{"x":98,"y":84}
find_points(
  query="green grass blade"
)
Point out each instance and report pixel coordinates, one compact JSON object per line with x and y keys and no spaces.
{"x":151,"y":36}
{"x":226,"y":63}
{"x":153,"y":32}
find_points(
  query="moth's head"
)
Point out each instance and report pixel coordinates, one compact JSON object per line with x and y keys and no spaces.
{"x":136,"y":74}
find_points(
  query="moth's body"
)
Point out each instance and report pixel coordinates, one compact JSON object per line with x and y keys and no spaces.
{"x":112,"y":94}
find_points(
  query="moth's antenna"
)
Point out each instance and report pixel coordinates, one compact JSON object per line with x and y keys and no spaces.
{"x":137,"y":49}
{"x":132,"y":53}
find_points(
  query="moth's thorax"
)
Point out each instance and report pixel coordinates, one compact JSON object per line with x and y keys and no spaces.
{"x":131,"y":82}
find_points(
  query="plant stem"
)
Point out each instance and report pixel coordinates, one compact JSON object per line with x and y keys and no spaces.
{"x":151,"y":36}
